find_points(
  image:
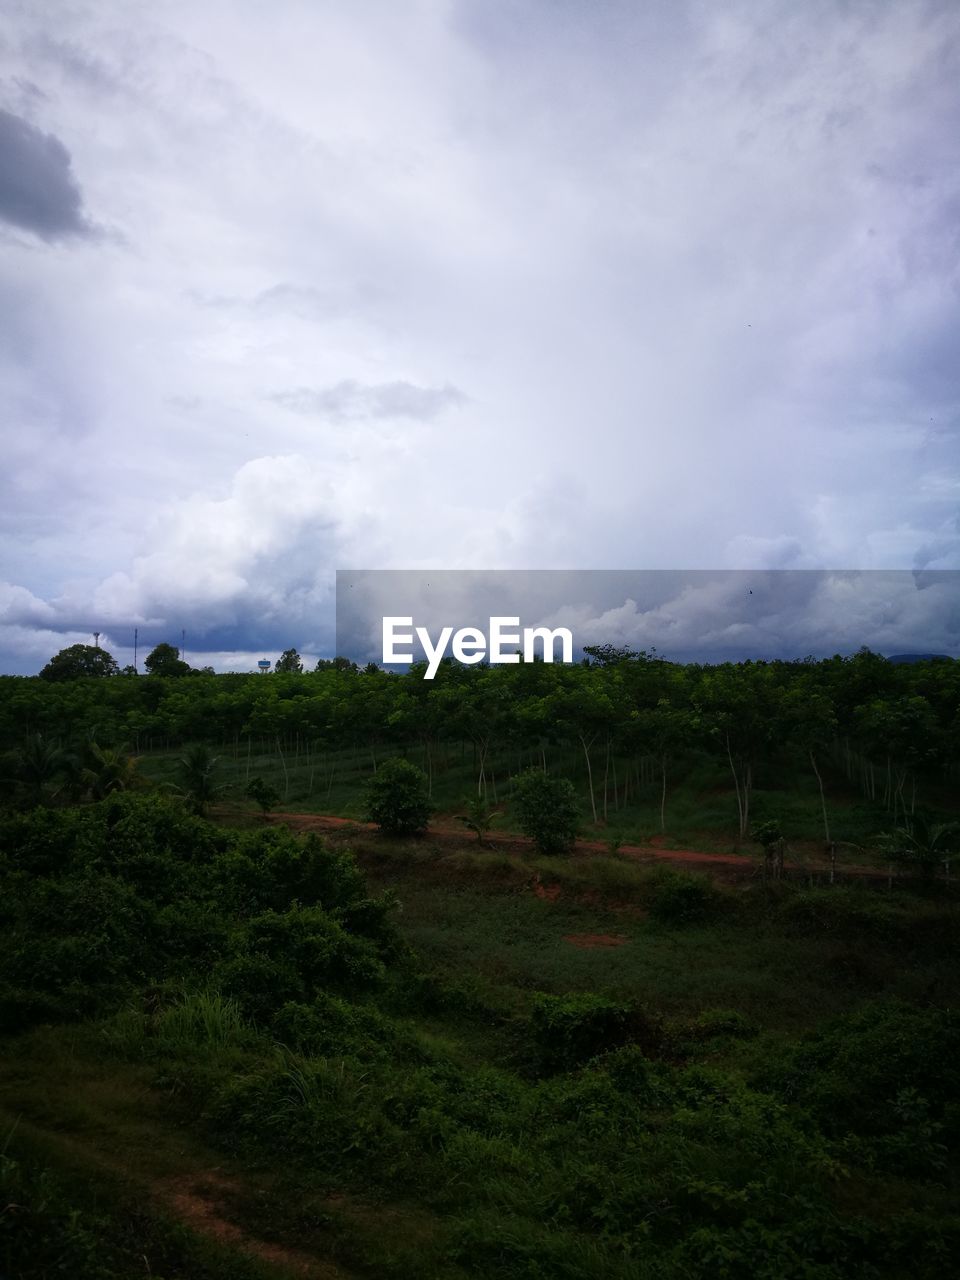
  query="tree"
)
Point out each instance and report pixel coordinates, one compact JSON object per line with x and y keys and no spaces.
{"x":770,"y":838}
{"x":36,"y":766}
{"x":335,"y":664}
{"x":197,"y":772}
{"x":164,"y":660}
{"x":547,"y":810}
{"x":266,"y":796}
{"x":108,"y":769}
{"x":289,"y":661}
{"x":397,"y":800}
{"x":80,"y":660}
{"x":479,"y":817}
{"x":665,"y":730}
{"x":922,"y":845}
{"x":812,"y":724}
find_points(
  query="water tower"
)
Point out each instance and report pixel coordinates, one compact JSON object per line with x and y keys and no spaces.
{"x":264,"y":665}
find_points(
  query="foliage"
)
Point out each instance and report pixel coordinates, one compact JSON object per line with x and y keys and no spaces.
{"x":569,"y":1030}
{"x":921,"y":845}
{"x":266,"y":797}
{"x":479,"y":817}
{"x":397,"y":798}
{"x":683,"y":897}
{"x":547,"y":810}
{"x":165,"y":660}
{"x":289,"y":662}
{"x":536,"y":1121}
{"x":197,"y":773}
{"x":79,"y":660}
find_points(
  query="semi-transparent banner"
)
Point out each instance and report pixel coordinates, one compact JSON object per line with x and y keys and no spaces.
{"x":395,"y":617}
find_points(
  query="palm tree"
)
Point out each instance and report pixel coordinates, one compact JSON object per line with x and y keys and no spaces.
{"x":922,"y":845}
{"x":35,"y":766}
{"x":111,"y":769}
{"x":196,"y":771}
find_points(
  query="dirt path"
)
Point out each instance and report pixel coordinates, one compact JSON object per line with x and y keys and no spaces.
{"x":443,"y":834}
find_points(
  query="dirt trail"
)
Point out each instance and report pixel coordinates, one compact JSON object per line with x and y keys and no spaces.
{"x":198,"y":1200}
{"x":441,"y":834}
{"x":587,"y":941}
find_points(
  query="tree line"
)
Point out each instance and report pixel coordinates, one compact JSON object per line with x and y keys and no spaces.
{"x":628,"y":717}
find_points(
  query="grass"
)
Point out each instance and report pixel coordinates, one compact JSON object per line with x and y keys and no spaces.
{"x":175,"y":1127}
{"x":701,"y":805}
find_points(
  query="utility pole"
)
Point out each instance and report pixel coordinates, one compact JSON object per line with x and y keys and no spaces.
{"x":136,"y":635}
{"x":183,"y":645}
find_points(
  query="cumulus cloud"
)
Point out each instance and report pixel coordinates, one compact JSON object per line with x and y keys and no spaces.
{"x":686,"y":616}
{"x":38,"y":190}
{"x":700,"y":311}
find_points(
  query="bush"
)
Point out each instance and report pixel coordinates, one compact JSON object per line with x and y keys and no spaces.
{"x":397,"y":800}
{"x":570,"y":1030}
{"x":682,"y":897}
{"x":547,"y":810}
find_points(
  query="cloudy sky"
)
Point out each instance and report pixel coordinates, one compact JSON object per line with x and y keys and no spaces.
{"x":456,"y":284}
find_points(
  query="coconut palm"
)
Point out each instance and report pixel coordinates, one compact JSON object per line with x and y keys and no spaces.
{"x":922,"y":845}
{"x":196,"y":771}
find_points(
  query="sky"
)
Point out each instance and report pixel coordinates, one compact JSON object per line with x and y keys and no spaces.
{"x":464,"y":284}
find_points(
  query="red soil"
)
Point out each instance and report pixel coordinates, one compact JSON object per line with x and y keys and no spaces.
{"x":727,"y":863}
{"x":589,"y":940}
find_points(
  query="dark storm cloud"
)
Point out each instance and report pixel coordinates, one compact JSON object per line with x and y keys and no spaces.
{"x":38,"y":190}
{"x":349,"y":400}
{"x":685,"y":615}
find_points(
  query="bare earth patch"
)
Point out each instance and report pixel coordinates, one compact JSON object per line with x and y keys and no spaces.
{"x":196,"y":1200}
{"x":589,"y":940}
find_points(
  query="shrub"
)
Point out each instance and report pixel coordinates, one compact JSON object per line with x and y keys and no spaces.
{"x":547,"y":810}
{"x":397,"y":800}
{"x":263,"y":794}
{"x":318,"y":947}
{"x":682,"y":897}
{"x":258,"y":984}
{"x":570,"y":1030}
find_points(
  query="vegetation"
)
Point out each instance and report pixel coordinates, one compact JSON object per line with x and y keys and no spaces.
{"x":632,"y":732}
{"x":547,"y":810}
{"x":187,"y":999}
{"x":231,"y":1051}
{"x":79,"y":660}
{"x":397,"y":799}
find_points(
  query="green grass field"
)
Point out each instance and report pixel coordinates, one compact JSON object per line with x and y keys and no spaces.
{"x":701,"y":809}
{"x":173,"y":1131}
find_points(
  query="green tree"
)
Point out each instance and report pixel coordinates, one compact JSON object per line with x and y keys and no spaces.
{"x":107,"y":769}
{"x":547,"y":810}
{"x":266,"y":796}
{"x":289,"y":661}
{"x":479,"y":817}
{"x":80,"y":660}
{"x":164,"y":660}
{"x":397,"y":800}
{"x":812,"y":724}
{"x":665,"y":730}
{"x":922,"y":845}
{"x":196,"y":771}
{"x":36,"y":766}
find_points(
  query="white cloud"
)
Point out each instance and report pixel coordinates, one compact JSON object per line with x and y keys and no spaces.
{"x":694,"y":269}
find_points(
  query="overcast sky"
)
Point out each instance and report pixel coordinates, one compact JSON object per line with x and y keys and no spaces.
{"x":478,"y":284}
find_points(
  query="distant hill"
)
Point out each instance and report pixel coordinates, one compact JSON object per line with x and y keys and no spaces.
{"x":920,"y":657}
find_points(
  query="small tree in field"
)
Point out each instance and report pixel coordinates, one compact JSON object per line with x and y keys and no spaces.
{"x":479,"y":816}
{"x":266,"y":797}
{"x":197,"y":771}
{"x":547,"y":810}
{"x":397,"y":798}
